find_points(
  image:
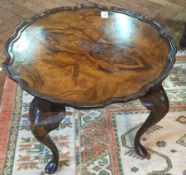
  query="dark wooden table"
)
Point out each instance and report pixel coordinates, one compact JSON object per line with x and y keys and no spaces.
{"x":89,"y":57}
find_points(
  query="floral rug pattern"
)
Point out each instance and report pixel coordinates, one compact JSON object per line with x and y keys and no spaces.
{"x":100,"y":141}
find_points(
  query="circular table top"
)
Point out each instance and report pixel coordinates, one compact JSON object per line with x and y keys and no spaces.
{"x":89,"y":56}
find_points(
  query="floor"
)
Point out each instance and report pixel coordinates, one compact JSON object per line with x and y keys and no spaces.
{"x":169,"y":13}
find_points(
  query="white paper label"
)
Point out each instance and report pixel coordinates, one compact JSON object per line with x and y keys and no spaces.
{"x":104,"y":14}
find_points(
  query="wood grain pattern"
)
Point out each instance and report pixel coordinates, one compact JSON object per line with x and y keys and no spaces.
{"x":81,"y":58}
{"x":154,"y":9}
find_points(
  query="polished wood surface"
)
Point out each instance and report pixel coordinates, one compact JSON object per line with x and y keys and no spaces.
{"x":169,"y":13}
{"x":88,"y":56}
{"x":44,"y":117}
{"x":156,"y":101}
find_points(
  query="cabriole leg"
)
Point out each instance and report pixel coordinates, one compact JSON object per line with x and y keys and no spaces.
{"x":44,"y":117}
{"x":157,"y":102}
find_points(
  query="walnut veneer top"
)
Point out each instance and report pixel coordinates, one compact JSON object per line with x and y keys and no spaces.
{"x":89,"y":56}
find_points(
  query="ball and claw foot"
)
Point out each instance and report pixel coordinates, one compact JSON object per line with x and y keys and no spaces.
{"x":51,"y":167}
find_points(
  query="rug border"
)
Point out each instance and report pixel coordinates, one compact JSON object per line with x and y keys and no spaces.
{"x":13,"y":132}
{"x":6,"y":110}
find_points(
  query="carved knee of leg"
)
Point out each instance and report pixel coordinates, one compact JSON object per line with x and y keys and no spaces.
{"x":161,"y":111}
{"x":39,"y":131}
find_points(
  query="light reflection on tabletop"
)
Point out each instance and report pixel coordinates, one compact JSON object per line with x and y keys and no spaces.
{"x":88,"y":53}
{"x":29,"y":44}
{"x":121,"y":29}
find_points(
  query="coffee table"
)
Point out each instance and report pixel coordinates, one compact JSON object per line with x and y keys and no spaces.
{"x":89,"y":57}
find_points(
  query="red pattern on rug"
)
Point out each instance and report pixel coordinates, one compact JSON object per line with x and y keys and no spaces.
{"x":6,"y":110}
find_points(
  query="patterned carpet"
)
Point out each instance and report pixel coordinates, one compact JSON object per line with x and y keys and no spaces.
{"x":99,"y":142}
